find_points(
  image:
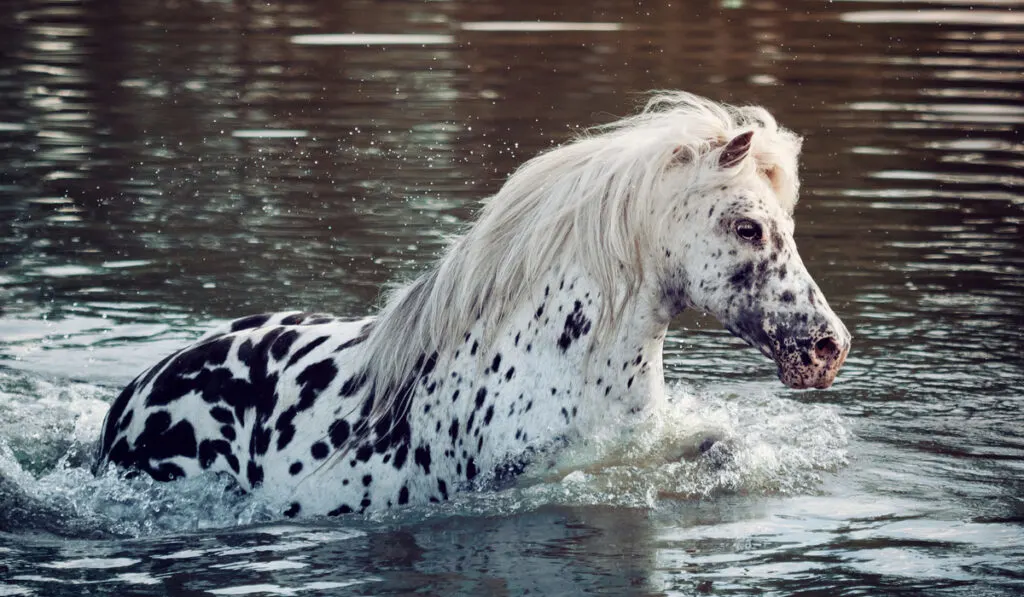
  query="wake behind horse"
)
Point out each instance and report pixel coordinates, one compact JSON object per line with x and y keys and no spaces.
{"x":543,"y":324}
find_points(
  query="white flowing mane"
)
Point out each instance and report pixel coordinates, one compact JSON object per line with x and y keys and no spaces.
{"x":595,"y":203}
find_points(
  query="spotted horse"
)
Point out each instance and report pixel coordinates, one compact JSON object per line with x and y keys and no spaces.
{"x":542,"y":325}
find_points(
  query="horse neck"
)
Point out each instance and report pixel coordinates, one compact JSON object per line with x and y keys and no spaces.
{"x":570,"y":340}
{"x":568,"y":351}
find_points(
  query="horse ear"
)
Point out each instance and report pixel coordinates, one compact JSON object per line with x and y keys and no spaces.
{"x":735,"y":150}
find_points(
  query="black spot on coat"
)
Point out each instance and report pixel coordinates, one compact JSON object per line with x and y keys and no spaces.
{"x":743,"y":276}
{"x":576,"y":325}
{"x":421,"y":456}
{"x":342,"y":509}
{"x":283,"y":344}
{"x":319,"y":450}
{"x":306,"y":350}
{"x":254,"y":473}
{"x":339,"y":432}
{"x":313,"y":380}
{"x":250,"y":322}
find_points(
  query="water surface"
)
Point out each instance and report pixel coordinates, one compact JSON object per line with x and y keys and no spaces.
{"x":168,"y":165}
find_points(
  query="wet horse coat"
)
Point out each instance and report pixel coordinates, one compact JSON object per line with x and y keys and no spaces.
{"x":541,"y":325}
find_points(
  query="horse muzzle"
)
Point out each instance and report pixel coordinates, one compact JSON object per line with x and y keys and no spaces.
{"x":813,"y":363}
{"x":809,"y":351}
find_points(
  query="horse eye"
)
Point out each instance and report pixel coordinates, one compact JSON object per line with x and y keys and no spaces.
{"x":748,"y":230}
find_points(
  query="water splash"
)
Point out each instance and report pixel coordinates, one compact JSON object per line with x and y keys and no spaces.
{"x":765,"y":445}
{"x":47,"y":440}
{"x":42,"y":422}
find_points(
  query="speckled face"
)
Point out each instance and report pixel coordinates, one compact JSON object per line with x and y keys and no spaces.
{"x":738,"y":261}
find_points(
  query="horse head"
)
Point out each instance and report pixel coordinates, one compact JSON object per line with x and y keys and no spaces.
{"x":732,"y":227}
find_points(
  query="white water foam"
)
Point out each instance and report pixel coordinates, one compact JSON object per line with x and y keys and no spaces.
{"x":48,"y":432}
{"x":767,"y":445}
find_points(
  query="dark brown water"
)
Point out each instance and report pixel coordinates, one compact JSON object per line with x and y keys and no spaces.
{"x":168,"y":164}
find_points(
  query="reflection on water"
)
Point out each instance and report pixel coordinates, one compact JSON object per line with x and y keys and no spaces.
{"x":168,"y":164}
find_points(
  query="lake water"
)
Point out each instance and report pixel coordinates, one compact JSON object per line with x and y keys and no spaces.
{"x":168,"y":165}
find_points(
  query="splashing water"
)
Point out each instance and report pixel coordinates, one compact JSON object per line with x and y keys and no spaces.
{"x":765,"y":445}
{"x":47,"y":439}
{"x":70,"y":500}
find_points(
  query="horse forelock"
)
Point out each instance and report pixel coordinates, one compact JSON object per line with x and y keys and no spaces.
{"x":590,"y":204}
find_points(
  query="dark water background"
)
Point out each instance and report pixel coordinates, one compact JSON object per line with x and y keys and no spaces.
{"x":142,"y":198}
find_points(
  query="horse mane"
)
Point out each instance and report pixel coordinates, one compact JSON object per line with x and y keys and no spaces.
{"x":593,"y":202}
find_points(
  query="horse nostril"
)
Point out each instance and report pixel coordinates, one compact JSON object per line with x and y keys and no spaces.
{"x":826,"y":349}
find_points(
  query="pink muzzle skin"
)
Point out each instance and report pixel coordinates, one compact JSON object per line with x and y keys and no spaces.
{"x":818,"y":368}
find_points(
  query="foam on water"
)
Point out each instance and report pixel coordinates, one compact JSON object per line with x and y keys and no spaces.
{"x":47,"y":439}
{"x":70,"y":500}
{"x":43,"y":421}
{"x":766,"y":445}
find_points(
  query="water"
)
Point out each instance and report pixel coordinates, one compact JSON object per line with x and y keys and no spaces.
{"x":168,"y":165}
